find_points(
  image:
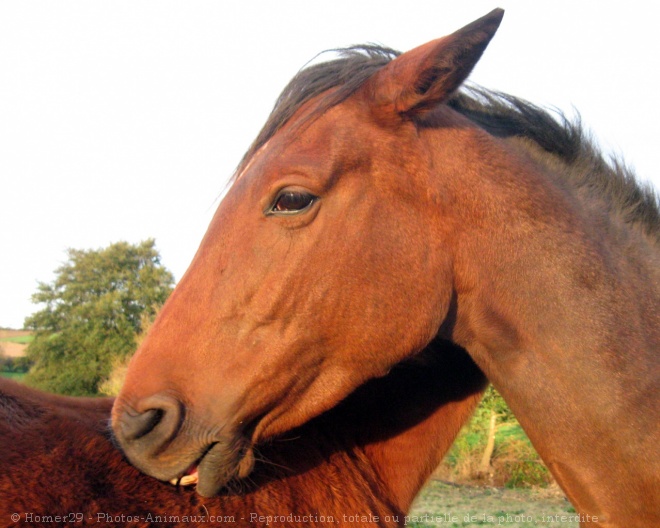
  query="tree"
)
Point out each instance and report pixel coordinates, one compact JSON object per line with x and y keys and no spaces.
{"x":93,"y":311}
{"x":494,"y":406}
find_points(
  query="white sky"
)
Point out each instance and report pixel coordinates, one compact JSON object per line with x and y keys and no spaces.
{"x":123,"y":120}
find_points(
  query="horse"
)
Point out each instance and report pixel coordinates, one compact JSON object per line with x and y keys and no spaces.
{"x":359,"y":464}
{"x":387,"y":202}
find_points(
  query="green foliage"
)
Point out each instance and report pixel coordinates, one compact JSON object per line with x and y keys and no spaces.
{"x":492,"y":400}
{"x":92,"y":312}
{"x":515,"y":463}
{"x":14,"y":364}
{"x":528,"y":473}
{"x":113,"y":383}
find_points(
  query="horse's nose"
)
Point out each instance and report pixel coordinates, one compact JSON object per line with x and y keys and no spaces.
{"x":154,"y":423}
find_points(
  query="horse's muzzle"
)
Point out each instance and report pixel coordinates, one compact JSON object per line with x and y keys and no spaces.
{"x":150,"y":435}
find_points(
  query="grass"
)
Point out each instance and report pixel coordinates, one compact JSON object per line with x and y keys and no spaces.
{"x":16,"y":376}
{"x":441,"y":504}
{"x":23,"y":340}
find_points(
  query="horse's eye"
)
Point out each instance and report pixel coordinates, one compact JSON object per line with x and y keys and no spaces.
{"x":292,"y":202}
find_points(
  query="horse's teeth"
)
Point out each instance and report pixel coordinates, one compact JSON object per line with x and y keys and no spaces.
{"x":187,"y":480}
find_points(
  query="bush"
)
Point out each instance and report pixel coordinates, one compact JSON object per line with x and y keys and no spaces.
{"x":112,"y":384}
{"x":527,"y":474}
{"x":14,"y":364}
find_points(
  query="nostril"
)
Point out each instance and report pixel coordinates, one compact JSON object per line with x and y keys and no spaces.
{"x":135,"y":427}
{"x":149,"y":426}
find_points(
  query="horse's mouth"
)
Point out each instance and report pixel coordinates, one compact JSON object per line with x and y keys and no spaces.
{"x":219,"y":464}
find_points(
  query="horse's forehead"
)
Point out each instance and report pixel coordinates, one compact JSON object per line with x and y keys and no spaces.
{"x":251,"y":161}
{"x":309,"y":143}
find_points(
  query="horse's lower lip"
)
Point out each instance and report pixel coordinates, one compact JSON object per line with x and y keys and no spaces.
{"x":218,"y":466}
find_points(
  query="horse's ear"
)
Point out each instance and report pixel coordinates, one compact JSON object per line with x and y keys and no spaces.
{"x":422,"y":78}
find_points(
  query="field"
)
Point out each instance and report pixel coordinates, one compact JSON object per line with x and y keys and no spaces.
{"x":14,"y":342}
{"x":7,"y":334}
{"x":451,"y":505}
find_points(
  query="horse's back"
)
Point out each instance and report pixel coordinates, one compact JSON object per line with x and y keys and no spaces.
{"x":21,"y":406}
{"x":58,"y":461}
{"x":56,"y":454}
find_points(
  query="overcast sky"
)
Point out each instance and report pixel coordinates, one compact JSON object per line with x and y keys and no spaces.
{"x":123,"y":120}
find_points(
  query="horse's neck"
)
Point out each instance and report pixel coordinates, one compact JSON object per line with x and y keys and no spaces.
{"x":565,"y":324}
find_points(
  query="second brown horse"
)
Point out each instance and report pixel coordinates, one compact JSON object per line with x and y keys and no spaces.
{"x":360,"y":464}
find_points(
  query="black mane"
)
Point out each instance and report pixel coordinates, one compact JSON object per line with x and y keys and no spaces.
{"x":345,"y":74}
{"x":502,"y":115}
{"x":569,"y":151}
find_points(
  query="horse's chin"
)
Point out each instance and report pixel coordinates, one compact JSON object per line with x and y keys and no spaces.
{"x":220,"y":464}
